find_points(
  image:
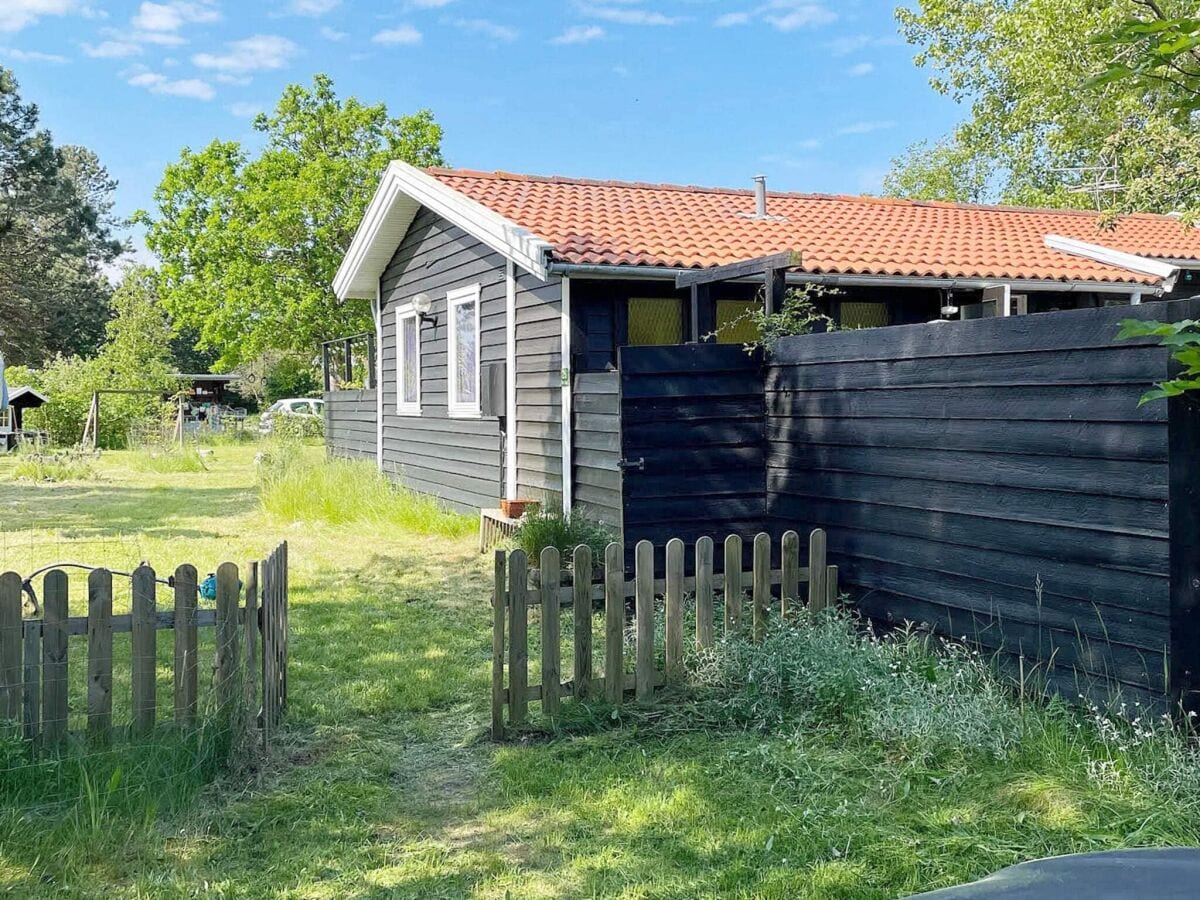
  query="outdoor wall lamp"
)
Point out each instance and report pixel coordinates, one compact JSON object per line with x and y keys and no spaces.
{"x":422,"y":303}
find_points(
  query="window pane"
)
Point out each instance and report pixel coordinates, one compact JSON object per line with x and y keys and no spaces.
{"x":655,"y":321}
{"x":409,"y":391}
{"x":730,"y":312}
{"x":466,"y":389}
{"x":864,"y":315}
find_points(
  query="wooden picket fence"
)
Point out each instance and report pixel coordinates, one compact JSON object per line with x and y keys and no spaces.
{"x":515,"y":595}
{"x":251,"y":645}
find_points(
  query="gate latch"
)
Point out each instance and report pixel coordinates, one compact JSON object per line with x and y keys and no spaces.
{"x":627,"y":464}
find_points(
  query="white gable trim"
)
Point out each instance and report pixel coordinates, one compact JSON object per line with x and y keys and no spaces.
{"x":402,"y":191}
{"x":1119,"y":258}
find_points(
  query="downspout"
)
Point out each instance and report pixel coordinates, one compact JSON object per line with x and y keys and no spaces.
{"x":565,"y":394}
{"x":510,"y":381}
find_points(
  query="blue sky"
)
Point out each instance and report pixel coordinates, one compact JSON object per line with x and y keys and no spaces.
{"x":818,"y":96}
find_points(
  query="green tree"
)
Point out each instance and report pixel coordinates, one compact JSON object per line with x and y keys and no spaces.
{"x":249,"y":243}
{"x":1039,"y":111}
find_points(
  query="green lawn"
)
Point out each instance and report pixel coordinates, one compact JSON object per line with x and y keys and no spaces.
{"x":383,"y":784}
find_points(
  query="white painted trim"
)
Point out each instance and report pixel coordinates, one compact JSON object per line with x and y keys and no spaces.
{"x":412,"y":408}
{"x":461,"y":297}
{"x":402,"y":190}
{"x":377,"y":310}
{"x":510,"y":380}
{"x":568,"y":487}
{"x":1135,"y":299}
{"x":1118,"y":258}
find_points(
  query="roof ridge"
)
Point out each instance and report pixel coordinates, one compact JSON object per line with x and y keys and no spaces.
{"x":500,"y":175}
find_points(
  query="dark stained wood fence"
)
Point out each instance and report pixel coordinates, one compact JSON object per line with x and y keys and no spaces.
{"x":998,"y":480}
{"x":350,"y":424}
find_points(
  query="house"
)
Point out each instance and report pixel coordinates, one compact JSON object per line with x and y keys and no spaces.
{"x":501,"y":302}
{"x":12,"y":418}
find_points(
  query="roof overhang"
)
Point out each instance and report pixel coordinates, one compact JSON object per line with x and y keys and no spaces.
{"x":23,"y":392}
{"x":1143,"y":265}
{"x":402,"y":191}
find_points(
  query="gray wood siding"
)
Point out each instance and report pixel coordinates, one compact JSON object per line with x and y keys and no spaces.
{"x":995,"y":479}
{"x":596,"y":409}
{"x":539,"y":388}
{"x":350,"y":427}
{"x":456,"y":459}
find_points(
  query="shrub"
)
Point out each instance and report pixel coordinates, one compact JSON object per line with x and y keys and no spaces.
{"x":54,"y":465}
{"x":545,"y":527}
{"x":296,"y":487}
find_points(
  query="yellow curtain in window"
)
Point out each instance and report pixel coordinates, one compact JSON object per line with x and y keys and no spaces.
{"x":736,"y":311}
{"x":655,"y":321}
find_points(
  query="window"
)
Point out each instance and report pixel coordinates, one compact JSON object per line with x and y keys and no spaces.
{"x":463,"y":308}
{"x":734,"y":325}
{"x":408,"y":362}
{"x":655,"y":321}
{"x":864,"y":315}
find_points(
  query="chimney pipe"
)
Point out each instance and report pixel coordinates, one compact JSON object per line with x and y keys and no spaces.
{"x":760,"y":196}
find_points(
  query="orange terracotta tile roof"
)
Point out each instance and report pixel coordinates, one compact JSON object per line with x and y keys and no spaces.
{"x":620,"y":223}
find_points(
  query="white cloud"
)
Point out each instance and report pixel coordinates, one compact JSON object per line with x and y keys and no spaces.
{"x":244,"y":110}
{"x":621,"y":71}
{"x":30,"y":55}
{"x":784,"y":15}
{"x":487,"y":28}
{"x":860,"y":69}
{"x":808,"y":144}
{"x":262,"y":51}
{"x":157,"y":83}
{"x":852,"y":43}
{"x":428,"y":4}
{"x":314,"y":7}
{"x":579,"y":34}
{"x":111,"y":49}
{"x":332,"y":34}
{"x":169,"y":17}
{"x":728,"y":20}
{"x":627,"y":15}
{"x":866,"y":127}
{"x":237,"y":80}
{"x":16,"y":14}
{"x":403,"y":34}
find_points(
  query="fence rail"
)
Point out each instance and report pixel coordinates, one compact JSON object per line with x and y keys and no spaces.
{"x":554,"y":589}
{"x":35,"y":653}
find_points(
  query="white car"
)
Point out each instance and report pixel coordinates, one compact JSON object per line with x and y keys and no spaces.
{"x":300,"y":407}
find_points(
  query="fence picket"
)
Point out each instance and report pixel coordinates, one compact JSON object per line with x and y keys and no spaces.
{"x":270,"y":651}
{"x":762,"y":584}
{"x":789,"y":565}
{"x":614,"y":623}
{"x":673,"y":650}
{"x":704,"y":593}
{"x":644,"y":613}
{"x":100,"y":655}
{"x":144,"y":654}
{"x":227,"y":639}
{"x":284,"y":631}
{"x":250,"y":633}
{"x":733,"y":583}
{"x":31,"y":707}
{"x":831,"y":590}
{"x":581,"y":567}
{"x":54,"y":658}
{"x":551,"y":642}
{"x":186,"y":643}
{"x":518,"y":651}
{"x":817,"y":580}
{"x":10,"y":648}
{"x":499,"y":607}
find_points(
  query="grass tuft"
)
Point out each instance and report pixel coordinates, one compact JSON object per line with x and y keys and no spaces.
{"x":168,"y":461}
{"x":53,"y":466}
{"x":547,"y":527}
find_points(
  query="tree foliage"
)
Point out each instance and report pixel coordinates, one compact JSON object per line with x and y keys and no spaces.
{"x":249,"y":242}
{"x":56,"y":222}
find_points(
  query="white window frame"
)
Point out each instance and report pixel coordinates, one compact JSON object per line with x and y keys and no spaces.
{"x":413,"y":408}
{"x":454,"y":299}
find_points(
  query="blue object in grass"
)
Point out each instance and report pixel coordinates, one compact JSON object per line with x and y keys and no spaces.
{"x":208,"y":587}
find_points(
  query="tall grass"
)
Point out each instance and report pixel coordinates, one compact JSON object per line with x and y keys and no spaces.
{"x":168,"y":460}
{"x":38,"y":464}
{"x":296,"y":487}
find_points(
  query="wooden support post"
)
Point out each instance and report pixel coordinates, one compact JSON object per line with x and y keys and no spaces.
{"x":673,"y":649}
{"x":370,"y":382}
{"x":10,"y":649}
{"x":776,"y":290}
{"x":551,"y":640}
{"x":581,"y":566}
{"x":733,"y":584}
{"x":817,"y":575}
{"x":326,"y":371}
{"x":518,"y":627}
{"x":348,"y":360}
{"x":614,"y":623}
{"x":227,"y":654}
{"x":762,"y":584}
{"x":702,"y":319}
{"x":789,"y":565}
{"x":704,"y":593}
{"x":499,"y":607}
{"x":100,"y":656}
{"x":644,"y":612}
{"x":54,"y":658}
{"x":144,"y":653}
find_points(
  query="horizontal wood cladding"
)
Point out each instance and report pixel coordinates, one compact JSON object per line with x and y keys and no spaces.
{"x":995,"y":479}
{"x":596,"y":409}
{"x":457,"y":459}
{"x":350,"y":424}
{"x":539,"y":388}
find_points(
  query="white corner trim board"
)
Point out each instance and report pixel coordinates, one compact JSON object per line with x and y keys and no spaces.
{"x":402,"y":191}
{"x":568,"y":487}
{"x":1143,"y":265}
{"x":510,"y":380}
{"x":377,"y":310}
